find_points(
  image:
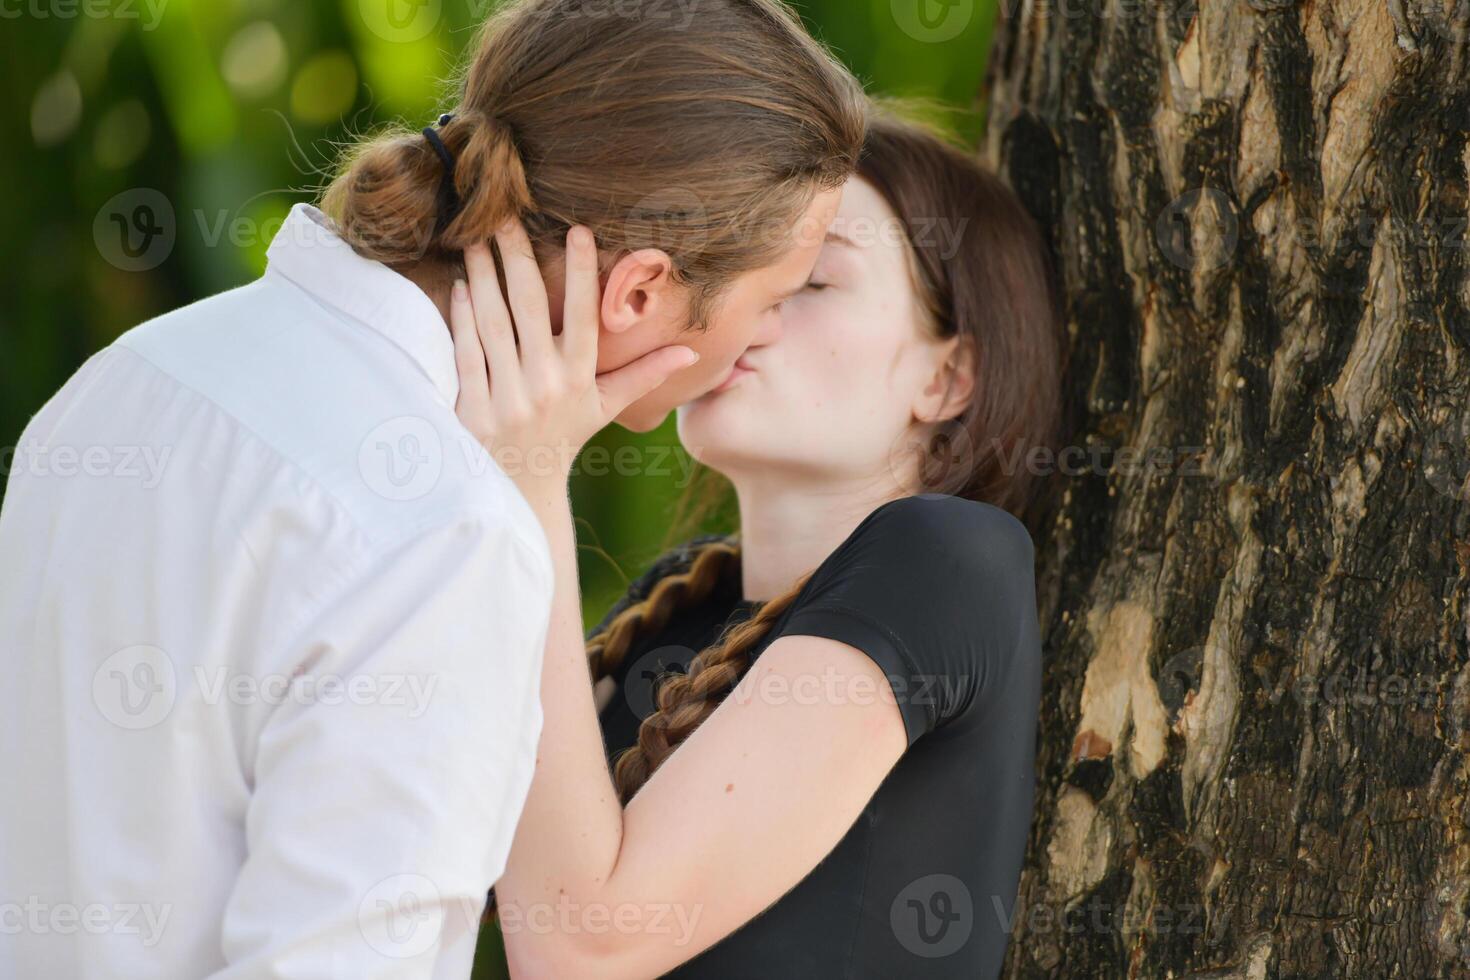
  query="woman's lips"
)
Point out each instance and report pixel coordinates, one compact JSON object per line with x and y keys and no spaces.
{"x":738,"y":370}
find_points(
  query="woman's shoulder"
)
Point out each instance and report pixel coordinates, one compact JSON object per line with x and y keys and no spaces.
{"x":917,"y":554}
{"x":922,"y":527}
{"x":935,"y":589}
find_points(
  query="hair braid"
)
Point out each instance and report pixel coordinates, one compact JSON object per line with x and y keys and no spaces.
{"x":682,"y":579}
{"x":684,"y":701}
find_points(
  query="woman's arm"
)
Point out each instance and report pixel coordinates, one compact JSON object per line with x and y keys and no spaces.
{"x":744,"y":810}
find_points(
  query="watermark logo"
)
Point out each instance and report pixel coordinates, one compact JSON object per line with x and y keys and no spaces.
{"x":1177,"y":224}
{"x":640,"y":687}
{"x":933,"y":21}
{"x":933,"y":916}
{"x":139,"y":686}
{"x":402,"y":458}
{"x":401,"y":916}
{"x":672,"y":218}
{"x":935,"y":459}
{"x":135,"y":231}
{"x":401,"y":21}
{"x":136,"y":687}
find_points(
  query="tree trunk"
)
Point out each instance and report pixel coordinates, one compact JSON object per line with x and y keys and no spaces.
{"x":1253,"y":749}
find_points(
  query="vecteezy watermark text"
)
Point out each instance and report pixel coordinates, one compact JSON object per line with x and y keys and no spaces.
{"x":410,"y":691}
{"x":407,"y":21}
{"x":33,"y":458}
{"x":148,"y":12}
{"x":37,"y":917}
{"x":404,"y":915}
{"x":138,"y":687}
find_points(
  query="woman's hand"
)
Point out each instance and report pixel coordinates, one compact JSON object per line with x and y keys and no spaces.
{"x":533,"y":399}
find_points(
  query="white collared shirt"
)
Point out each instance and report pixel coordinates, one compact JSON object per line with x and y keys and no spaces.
{"x":271,"y":629}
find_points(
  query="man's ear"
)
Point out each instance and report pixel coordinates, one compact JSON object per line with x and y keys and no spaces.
{"x":952,"y":386}
{"x":638,"y":288}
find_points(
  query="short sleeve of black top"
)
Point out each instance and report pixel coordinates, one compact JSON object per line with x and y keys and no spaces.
{"x":940,"y":593}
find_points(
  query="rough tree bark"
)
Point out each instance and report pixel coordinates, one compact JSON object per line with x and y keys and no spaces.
{"x":1254,"y":742}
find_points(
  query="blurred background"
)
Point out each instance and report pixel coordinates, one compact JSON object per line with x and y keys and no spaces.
{"x":151,"y":149}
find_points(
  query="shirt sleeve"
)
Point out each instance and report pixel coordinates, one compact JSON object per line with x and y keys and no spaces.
{"x":386,"y":793}
{"x":938,"y":591}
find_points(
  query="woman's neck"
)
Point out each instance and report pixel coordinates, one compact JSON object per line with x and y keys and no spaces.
{"x":786,"y":531}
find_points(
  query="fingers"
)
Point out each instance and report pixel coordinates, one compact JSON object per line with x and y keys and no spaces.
{"x":469,"y":356}
{"x":582,"y":310}
{"x":527,"y":293}
{"x":626,"y":385}
{"x":492,"y":319}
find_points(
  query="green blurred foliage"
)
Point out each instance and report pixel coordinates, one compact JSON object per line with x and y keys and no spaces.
{"x":233,"y":110}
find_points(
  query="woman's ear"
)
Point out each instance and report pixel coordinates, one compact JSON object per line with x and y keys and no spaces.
{"x":638,"y":288}
{"x":952,"y":385}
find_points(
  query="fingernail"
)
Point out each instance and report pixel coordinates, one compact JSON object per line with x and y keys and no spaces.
{"x":691,"y":357}
{"x":581,"y":237}
{"x":460,"y":291}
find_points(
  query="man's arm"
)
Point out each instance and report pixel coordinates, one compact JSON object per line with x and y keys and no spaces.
{"x":388,"y":783}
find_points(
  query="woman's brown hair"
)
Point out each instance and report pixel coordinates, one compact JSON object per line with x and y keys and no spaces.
{"x":988,"y":280}
{"x":700,"y":138}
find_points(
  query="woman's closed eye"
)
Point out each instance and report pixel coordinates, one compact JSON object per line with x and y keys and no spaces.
{"x":811,"y":286}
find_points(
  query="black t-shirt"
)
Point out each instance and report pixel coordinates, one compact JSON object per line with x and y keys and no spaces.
{"x":939,"y":591}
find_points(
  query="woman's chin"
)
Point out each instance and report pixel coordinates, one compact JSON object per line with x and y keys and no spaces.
{"x":715,"y":437}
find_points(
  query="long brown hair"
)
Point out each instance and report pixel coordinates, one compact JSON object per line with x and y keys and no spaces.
{"x":993,"y":285}
{"x":697,"y":138}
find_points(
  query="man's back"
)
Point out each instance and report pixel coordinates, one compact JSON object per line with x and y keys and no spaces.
{"x":273,"y":628}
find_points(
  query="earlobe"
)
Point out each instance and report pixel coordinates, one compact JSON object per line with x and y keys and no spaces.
{"x":952,"y":387}
{"x":637,"y":288}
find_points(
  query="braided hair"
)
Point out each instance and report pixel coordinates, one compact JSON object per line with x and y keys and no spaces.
{"x":682,"y":578}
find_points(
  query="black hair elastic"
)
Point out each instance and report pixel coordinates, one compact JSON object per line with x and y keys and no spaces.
{"x":448,"y":196}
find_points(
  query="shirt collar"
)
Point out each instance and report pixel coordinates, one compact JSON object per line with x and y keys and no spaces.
{"x":309,"y":252}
